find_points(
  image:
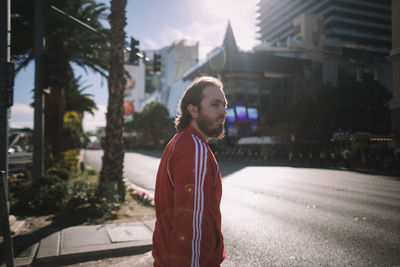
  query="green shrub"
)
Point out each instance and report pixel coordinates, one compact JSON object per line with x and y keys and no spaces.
{"x":70,"y":160}
{"x":44,"y":195}
{"x":47,"y":193}
{"x":91,"y":171}
{"x":60,"y":172}
{"x":81,"y":192}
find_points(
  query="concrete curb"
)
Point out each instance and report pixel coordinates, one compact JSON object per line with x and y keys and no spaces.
{"x":92,"y":242}
{"x":82,"y":254}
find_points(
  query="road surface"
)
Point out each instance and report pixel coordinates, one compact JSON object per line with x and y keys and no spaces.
{"x":284,"y":216}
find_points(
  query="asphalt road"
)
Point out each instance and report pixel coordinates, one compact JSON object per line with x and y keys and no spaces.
{"x":283,"y":216}
{"x":140,"y":168}
{"x":18,"y":160}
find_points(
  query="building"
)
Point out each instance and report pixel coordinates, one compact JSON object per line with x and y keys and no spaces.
{"x":395,"y":59}
{"x":354,"y":24}
{"x":255,"y":84}
{"x":135,"y":88}
{"x":337,"y":60}
{"x":144,"y":85}
{"x":177,"y":58}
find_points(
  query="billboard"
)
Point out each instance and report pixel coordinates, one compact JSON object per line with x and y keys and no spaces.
{"x":252,"y":115}
{"x":230,"y":115}
{"x":240,"y":112}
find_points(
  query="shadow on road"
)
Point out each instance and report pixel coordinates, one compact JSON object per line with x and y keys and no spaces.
{"x":229,"y":166}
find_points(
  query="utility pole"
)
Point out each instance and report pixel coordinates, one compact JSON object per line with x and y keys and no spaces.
{"x":6,"y":99}
{"x":38,"y":129}
{"x":5,"y":44}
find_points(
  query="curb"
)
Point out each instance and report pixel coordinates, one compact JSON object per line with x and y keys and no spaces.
{"x":82,"y":254}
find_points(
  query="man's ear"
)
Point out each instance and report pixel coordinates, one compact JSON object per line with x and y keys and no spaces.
{"x":193,"y":110}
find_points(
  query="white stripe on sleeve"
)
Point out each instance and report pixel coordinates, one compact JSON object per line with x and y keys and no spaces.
{"x":200,"y":172}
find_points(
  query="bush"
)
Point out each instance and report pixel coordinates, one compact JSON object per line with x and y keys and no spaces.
{"x":44,"y":195}
{"x":60,"y":172}
{"x":82,"y":195}
{"x":91,"y":172}
{"x":70,"y":160}
{"x":53,"y":193}
{"x":81,"y":192}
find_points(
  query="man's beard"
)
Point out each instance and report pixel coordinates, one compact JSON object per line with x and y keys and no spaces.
{"x":204,"y":122}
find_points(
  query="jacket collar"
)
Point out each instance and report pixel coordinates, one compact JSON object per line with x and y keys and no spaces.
{"x":190,"y":129}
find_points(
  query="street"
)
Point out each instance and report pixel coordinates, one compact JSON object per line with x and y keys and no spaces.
{"x":139,"y":168}
{"x":18,"y":160}
{"x":284,"y":216}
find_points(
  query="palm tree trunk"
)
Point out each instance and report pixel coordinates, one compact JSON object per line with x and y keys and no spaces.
{"x":54,"y":116}
{"x":111,"y":172}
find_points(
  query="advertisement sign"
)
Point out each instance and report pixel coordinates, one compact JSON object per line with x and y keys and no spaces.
{"x":241,"y":112}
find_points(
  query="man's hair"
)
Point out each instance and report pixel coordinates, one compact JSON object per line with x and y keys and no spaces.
{"x":193,"y":95}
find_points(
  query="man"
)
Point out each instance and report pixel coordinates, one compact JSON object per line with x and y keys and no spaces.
{"x":188,"y":187}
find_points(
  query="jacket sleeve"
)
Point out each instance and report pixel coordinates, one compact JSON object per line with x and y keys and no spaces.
{"x":189,"y":169}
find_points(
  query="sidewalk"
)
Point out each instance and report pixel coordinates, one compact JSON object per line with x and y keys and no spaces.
{"x":84,"y":243}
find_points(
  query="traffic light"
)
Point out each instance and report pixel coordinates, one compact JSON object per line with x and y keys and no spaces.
{"x":157,"y":63}
{"x":50,"y":69}
{"x":133,"y":57}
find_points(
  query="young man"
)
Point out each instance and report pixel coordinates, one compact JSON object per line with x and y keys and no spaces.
{"x":188,"y":187}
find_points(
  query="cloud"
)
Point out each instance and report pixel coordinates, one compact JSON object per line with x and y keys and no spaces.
{"x":21,"y":124}
{"x":21,"y":109}
{"x":21,"y":116}
{"x":170,"y":34}
{"x":90,"y":122}
{"x":206,"y":22}
{"x":152,"y":44}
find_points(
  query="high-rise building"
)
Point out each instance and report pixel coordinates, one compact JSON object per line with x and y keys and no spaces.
{"x":149,"y":85}
{"x":352,"y":23}
{"x":395,"y":59}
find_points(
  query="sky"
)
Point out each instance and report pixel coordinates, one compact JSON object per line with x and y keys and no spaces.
{"x":156,"y":24}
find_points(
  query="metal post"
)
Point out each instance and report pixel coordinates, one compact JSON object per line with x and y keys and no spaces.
{"x":8,"y":244}
{"x":5,"y":29}
{"x":38,"y":131}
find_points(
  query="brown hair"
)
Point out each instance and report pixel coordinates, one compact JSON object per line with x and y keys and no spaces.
{"x":193,"y":95}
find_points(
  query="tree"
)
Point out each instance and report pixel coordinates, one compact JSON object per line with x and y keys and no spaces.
{"x":68,"y":45}
{"x":77,"y":100}
{"x":111,"y":172}
{"x":73,"y":130}
{"x":152,"y":124}
{"x":76,"y":104}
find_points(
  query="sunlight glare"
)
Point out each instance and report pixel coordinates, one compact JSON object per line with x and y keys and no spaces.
{"x":241,"y":14}
{"x":227,"y":9}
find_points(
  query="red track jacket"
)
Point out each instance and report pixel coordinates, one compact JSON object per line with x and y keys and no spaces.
{"x":187,"y":199}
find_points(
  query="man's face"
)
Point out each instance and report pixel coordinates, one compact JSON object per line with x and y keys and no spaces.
{"x":212,"y":112}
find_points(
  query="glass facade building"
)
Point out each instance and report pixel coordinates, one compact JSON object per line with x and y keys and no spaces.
{"x":352,"y":23}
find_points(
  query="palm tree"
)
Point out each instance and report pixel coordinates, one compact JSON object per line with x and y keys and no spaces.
{"x":111,"y":172}
{"x":68,"y":45}
{"x":77,"y":100}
